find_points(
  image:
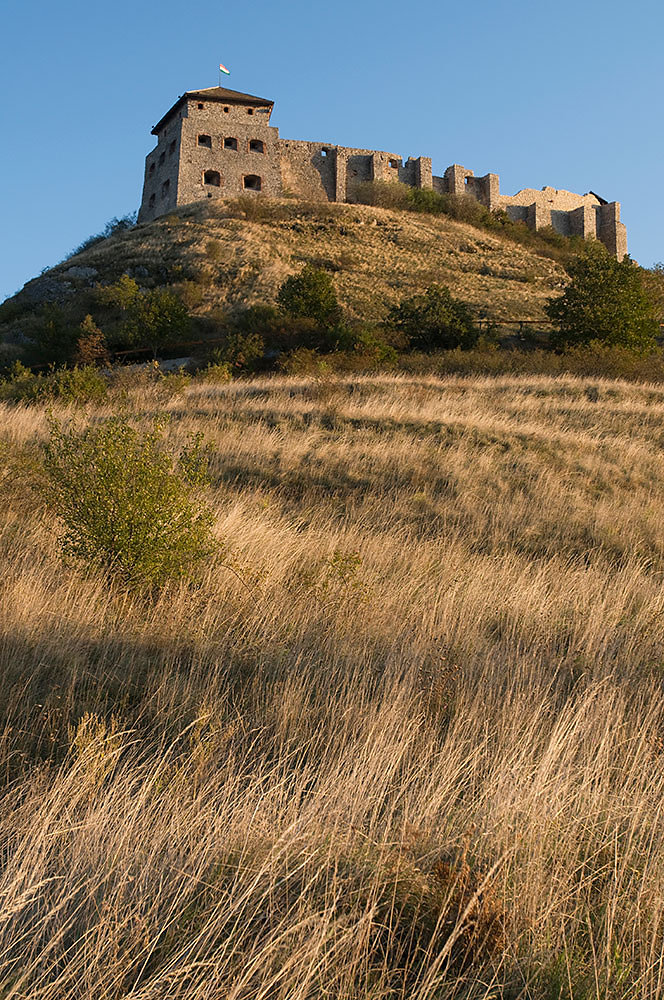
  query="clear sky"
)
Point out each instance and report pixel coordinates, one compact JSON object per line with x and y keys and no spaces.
{"x":567,"y":94}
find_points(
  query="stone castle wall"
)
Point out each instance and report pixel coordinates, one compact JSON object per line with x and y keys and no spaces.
{"x":208,"y":149}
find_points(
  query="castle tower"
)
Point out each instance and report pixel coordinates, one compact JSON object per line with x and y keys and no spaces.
{"x":212,"y":143}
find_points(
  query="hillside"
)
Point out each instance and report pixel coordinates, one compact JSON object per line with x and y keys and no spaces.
{"x":377,"y":256}
{"x":403,"y":739}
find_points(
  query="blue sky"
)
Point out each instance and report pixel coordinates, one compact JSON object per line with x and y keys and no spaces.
{"x":566,"y":94}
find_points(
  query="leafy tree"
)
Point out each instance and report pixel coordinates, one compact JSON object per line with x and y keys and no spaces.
{"x":607,"y":301}
{"x":151,"y":317}
{"x":310,"y":295}
{"x":434,"y":320}
{"x":126,"y":504}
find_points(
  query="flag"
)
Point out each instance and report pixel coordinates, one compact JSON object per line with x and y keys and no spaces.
{"x":222,"y":69}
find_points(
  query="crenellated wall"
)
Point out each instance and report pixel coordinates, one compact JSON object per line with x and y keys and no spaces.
{"x":218,"y":143}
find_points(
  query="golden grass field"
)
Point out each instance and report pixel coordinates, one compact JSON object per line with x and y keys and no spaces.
{"x":404,"y":740}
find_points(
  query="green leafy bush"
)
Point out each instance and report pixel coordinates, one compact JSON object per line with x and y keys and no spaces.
{"x":607,"y":301}
{"x":434,"y":321}
{"x":78,"y":385}
{"x":126,"y":504}
{"x":310,"y":295}
{"x":240,"y":351}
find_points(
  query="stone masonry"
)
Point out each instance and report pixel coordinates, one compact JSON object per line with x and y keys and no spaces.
{"x":218,"y":143}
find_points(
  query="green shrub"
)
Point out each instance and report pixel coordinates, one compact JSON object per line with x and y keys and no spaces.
{"x":607,"y":301}
{"x":310,"y":295}
{"x":112,"y":228}
{"x":126,"y":504}
{"x":434,"y":321}
{"x":240,"y":351}
{"x":78,"y":385}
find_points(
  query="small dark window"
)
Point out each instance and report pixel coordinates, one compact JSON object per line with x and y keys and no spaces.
{"x":161,"y":159}
{"x":212,"y":177}
{"x":205,"y":140}
{"x":171,"y":148}
{"x":151,"y":170}
{"x":164,"y":188}
{"x":230,"y":143}
{"x":394,"y":164}
{"x":250,"y":111}
{"x":151,"y":201}
{"x":252,"y":183}
{"x":256,"y":146}
{"x":324,"y":152}
{"x":200,"y":107}
{"x":226,"y":110}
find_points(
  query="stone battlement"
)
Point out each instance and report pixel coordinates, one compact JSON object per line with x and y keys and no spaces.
{"x":218,"y":143}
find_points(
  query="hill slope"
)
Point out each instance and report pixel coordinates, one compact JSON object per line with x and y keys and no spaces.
{"x":240,"y":252}
{"x":405,"y":739}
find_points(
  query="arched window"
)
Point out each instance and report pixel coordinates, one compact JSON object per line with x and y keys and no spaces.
{"x":212,"y":178}
{"x":164,"y":188}
{"x":250,"y":182}
{"x":256,"y":146}
{"x":226,"y":110}
{"x":205,"y":140}
{"x":230,"y":143}
{"x":151,"y":201}
{"x":250,"y":111}
{"x":200,"y":107}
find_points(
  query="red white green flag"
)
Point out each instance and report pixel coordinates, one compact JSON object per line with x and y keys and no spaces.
{"x":222,"y":69}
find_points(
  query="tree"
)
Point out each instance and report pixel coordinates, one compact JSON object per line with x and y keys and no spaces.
{"x":310,"y":295}
{"x":151,"y":317}
{"x":434,"y":320}
{"x":606,"y":300}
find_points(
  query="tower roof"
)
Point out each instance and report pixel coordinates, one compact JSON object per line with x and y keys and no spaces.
{"x":219,"y":94}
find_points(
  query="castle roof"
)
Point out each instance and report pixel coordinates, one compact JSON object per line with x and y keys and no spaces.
{"x":219,"y":94}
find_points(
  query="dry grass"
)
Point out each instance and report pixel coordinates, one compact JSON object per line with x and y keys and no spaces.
{"x":378,"y":257}
{"x":405,"y":740}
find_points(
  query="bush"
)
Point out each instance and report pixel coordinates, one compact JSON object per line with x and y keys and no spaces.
{"x":78,"y":385}
{"x":605,"y":301}
{"x":126,"y":504}
{"x":240,"y":352}
{"x":112,"y":228}
{"x":434,"y":321}
{"x":310,"y":295}
{"x":91,"y":346}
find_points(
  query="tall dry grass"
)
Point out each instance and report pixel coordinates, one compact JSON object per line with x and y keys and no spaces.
{"x":406,"y":738}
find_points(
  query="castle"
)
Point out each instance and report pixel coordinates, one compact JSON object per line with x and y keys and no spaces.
{"x":218,"y":143}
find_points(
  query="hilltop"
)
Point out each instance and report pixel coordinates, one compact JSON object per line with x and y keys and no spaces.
{"x":227,"y":254}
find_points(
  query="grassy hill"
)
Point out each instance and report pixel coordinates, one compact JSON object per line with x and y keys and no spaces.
{"x":405,"y":737}
{"x":219,"y":256}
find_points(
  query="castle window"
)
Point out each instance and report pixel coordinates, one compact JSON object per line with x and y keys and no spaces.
{"x":151,"y":170}
{"x":151,"y":201}
{"x":200,"y":107}
{"x":161,"y":159}
{"x":251,"y":182}
{"x":171,"y":148}
{"x":212,"y":177}
{"x":324,"y":152}
{"x":250,"y":111}
{"x":226,"y":110}
{"x":205,"y":140}
{"x":230,"y":143}
{"x":164,"y":188}
{"x":394,"y":164}
{"x":256,"y":146}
